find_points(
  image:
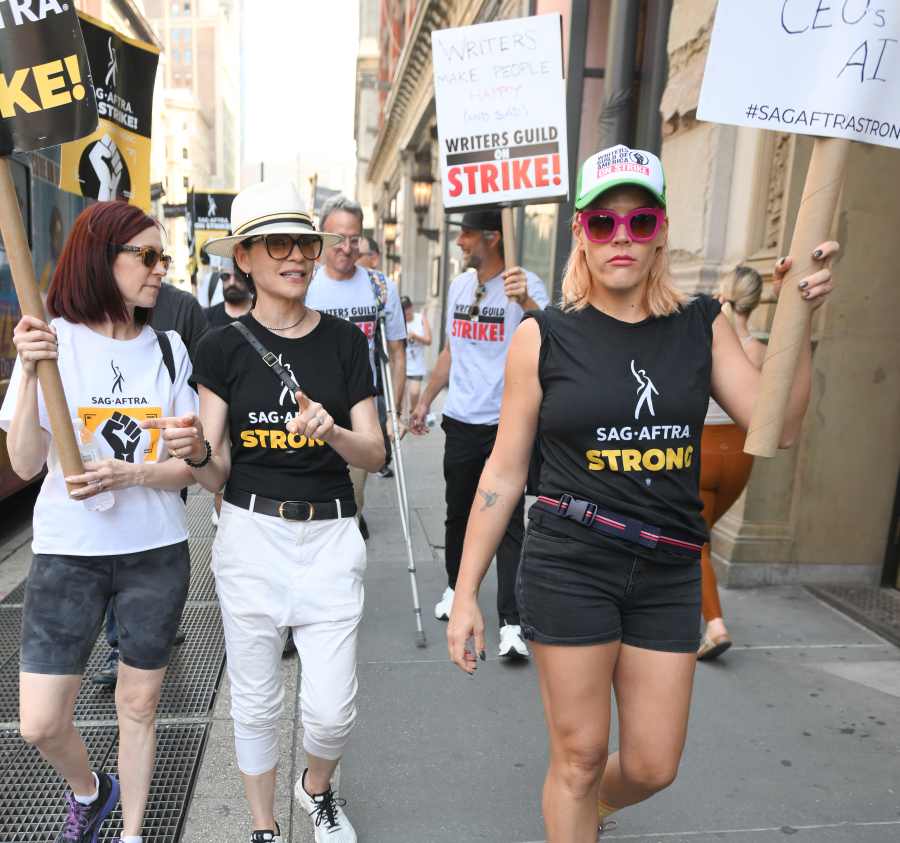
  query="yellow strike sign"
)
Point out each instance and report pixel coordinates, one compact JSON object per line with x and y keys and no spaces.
{"x":57,"y":82}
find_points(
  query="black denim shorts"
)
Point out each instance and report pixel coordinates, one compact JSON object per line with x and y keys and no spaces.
{"x":66,"y":598}
{"x":573,"y":592}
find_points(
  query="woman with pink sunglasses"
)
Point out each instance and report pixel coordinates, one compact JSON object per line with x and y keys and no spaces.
{"x":614,"y":386}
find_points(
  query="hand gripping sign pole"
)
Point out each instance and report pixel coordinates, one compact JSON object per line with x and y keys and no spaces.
{"x":46,"y":98}
{"x":817,"y":71}
{"x":381,"y":350}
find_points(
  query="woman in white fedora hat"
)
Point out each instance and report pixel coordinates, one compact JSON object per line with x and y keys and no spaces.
{"x":614,"y":385}
{"x":286,"y":404}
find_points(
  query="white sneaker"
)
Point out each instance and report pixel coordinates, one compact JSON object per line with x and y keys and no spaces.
{"x":511,"y":643}
{"x":330,"y":823}
{"x":444,"y":605}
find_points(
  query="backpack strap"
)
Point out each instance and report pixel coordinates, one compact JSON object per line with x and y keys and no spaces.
{"x":270,"y":359}
{"x":165,"y":346}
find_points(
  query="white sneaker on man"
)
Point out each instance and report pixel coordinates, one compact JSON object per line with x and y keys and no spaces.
{"x":443,"y":607}
{"x":330,"y":823}
{"x":511,"y":643}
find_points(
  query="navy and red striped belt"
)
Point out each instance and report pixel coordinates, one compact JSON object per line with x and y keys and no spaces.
{"x":613,"y":524}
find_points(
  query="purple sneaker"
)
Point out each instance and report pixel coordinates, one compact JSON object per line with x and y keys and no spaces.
{"x":83,"y":821}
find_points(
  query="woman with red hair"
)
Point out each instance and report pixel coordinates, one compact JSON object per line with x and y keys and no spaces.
{"x":615,"y":385}
{"x":120,"y":536}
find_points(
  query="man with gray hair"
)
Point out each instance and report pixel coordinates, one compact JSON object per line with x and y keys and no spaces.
{"x":358,"y":294}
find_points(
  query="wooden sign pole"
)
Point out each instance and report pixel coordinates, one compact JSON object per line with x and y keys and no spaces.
{"x":508,"y":220}
{"x":792,"y":315}
{"x":30,"y":303}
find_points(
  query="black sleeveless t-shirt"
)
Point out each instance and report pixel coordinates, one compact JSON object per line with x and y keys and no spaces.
{"x":621,"y":418}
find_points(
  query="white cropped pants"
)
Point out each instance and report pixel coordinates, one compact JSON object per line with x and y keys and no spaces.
{"x":303,"y":578}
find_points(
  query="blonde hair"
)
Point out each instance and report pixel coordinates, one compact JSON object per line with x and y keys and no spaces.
{"x":743,"y":289}
{"x":661,"y":296}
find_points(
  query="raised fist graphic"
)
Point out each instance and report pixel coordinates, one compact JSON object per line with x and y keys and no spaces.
{"x":108,"y":167}
{"x":123,"y":434}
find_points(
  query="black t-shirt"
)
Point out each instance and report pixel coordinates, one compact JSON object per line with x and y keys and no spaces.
{"x":217,"y":317}
{"x":177,"y":310}
{"x":622,"y":415}
{"x":331,"y":365}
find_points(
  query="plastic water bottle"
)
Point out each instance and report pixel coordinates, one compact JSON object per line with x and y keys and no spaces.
{"x":87,"y":446}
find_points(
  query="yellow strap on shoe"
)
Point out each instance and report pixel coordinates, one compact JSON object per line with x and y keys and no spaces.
{"x":604,"y":809}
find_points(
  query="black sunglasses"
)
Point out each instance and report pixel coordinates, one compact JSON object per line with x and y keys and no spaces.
{"x":280,"y":246}
{"x":149,"y":255}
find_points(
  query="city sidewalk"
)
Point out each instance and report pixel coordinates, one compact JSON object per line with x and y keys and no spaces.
{"x":796,"y":731}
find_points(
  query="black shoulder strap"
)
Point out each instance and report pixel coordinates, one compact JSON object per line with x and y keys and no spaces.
{"x":268,"y":358}
{"x":165,"y":346}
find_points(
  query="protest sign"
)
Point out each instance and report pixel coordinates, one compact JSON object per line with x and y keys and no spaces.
{"x":829,"y":70}
{"x":211,"y":216}
{"x":501,"y":112}
{"x":826,"y":69}
{"x":114,"y":161}
{"x":46,"y":98}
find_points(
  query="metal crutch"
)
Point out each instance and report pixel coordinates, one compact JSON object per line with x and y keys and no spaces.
{"x":399,"y":475}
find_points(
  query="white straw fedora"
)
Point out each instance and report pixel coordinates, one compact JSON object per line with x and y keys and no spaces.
{"x":267,"y":208}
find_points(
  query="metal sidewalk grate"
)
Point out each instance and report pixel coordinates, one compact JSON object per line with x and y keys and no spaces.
{"x":198,"y":516}
{"x":10,"y":633}
{"x":37,"y":817}
{"x":31,"y":793}
{"x":203,"y":586}
{"x":188,"y":690}
{"x":876,"y":608}
{"x":16,"y":597}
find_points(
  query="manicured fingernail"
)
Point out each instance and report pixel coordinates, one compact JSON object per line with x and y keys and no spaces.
{"x":483,"y":656}
{"x":802,"y":285}
{"x":817,"y":254}
{"x":780,"y":261}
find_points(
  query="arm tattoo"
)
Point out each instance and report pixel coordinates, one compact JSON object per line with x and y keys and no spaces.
{"x":490,"y":498}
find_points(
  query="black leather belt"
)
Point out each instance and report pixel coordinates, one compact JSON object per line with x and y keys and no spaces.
{"x":292,"y":510}
{"x":613,"y":524}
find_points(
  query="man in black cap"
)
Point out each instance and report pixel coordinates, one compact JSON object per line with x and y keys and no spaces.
{"x":484,"y":308}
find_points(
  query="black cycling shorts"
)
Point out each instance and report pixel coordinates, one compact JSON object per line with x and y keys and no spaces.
{"x":66,"y":598}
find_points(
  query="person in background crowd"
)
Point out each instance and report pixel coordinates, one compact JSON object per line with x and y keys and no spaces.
{"x":614,"y":385}
{"x":725,"y":468}
{"x":418,"y":336}
{"x":237,"y":293}
{"x":209,"y":291}
{"x":484,"y":307}
{"x":288,"y":557}
{"x":175,"y":310}
{"x":369,"y":254}
{"x":120,"y":537}
{"x":343,"y":289}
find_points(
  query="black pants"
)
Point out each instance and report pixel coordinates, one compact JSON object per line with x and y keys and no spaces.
{"x":466,"y":451}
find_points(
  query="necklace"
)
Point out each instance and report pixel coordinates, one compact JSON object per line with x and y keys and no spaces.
{"x":286,"y":327}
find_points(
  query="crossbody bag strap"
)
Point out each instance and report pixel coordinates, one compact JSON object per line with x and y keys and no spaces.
{"x":270,"y":359}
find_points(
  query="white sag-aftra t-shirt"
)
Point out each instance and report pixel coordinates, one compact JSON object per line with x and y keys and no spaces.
{"x":479,"y":343}
{"x":110,"y":384}
{"x":354,"y":299}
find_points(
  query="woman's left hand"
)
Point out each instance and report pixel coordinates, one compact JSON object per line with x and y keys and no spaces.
{"x":104,"y":476}
{"x":813,"y":288}
{"x":314,"y":422}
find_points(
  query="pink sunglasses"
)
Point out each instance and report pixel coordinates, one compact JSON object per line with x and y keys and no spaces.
{"x":642,"y":224}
